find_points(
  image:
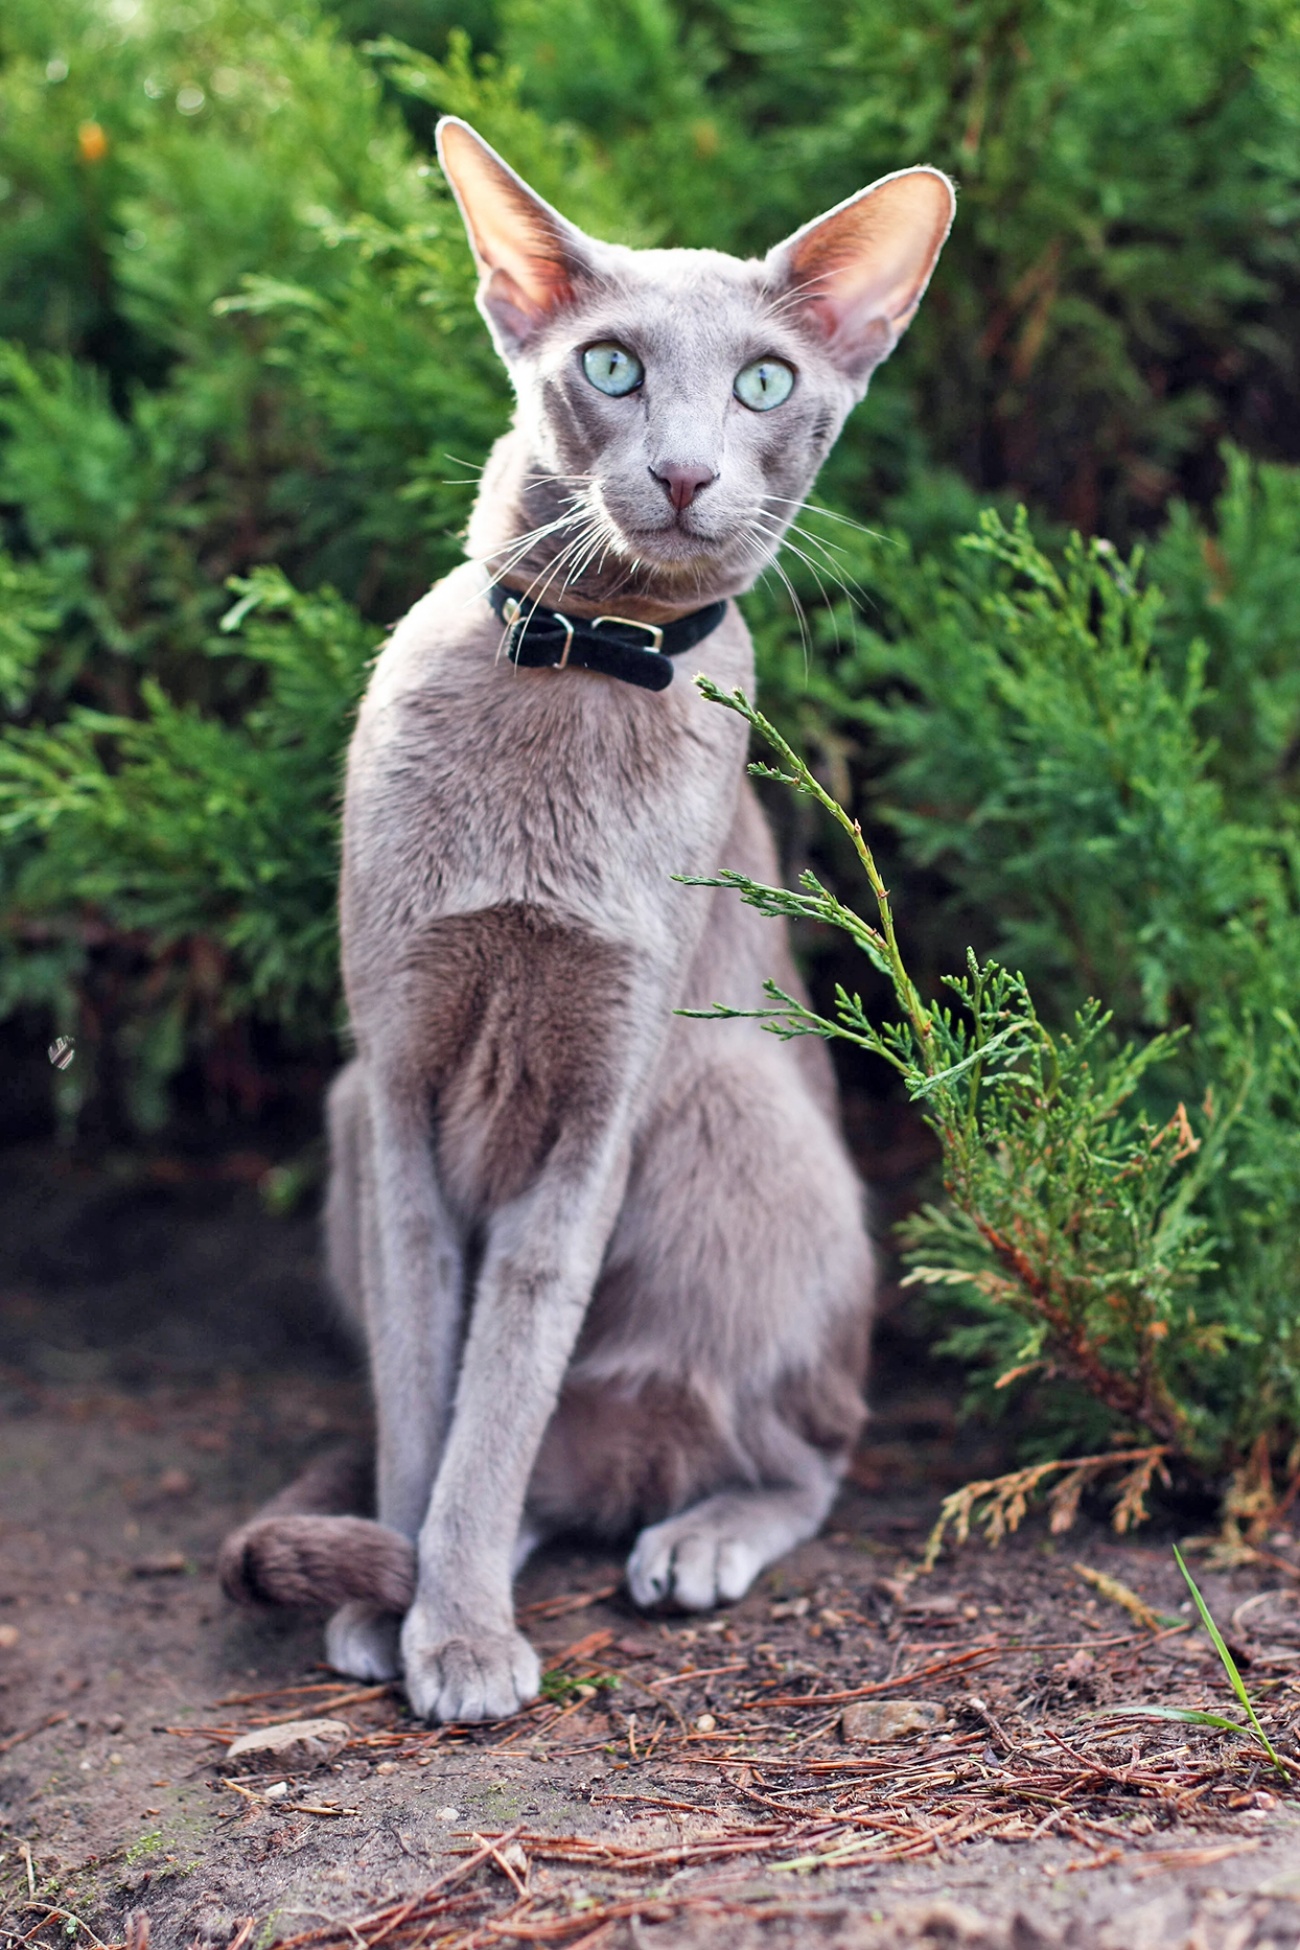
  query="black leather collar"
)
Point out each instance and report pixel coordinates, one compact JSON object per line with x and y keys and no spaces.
{"x":615,"y":646}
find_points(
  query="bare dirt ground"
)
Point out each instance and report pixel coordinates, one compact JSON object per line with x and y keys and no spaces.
{"x":685,"y":1782}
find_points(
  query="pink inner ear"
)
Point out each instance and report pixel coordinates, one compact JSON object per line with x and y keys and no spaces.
{"x":513,"y":245}
{"x":860,"y":271}
{"x":521,"y":245}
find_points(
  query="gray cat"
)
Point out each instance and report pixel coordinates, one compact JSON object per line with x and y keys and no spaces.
{"x":610,"y":1266}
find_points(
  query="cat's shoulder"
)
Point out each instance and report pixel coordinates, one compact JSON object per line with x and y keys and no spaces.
{"x":441,"y":642}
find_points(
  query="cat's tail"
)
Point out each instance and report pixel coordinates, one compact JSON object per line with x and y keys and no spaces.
{"x":303,"y":1548}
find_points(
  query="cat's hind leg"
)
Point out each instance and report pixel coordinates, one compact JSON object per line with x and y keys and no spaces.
{"x":721,"y":1495}
{"x":711,"y":1553}
{"x":716,"y":1393}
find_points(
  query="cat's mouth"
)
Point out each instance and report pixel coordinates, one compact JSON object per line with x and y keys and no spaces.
{"x":674,"y":540}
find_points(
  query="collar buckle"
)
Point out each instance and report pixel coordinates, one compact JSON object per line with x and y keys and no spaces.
{"x":653,"y":630}
{"x":512,"y":611}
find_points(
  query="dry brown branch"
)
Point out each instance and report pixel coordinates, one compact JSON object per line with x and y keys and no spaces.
{"x":1006,"y":1498}
{"x":976,"y":1655}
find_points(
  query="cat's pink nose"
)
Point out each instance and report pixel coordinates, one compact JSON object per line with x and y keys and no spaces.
{"x":682,"y":484}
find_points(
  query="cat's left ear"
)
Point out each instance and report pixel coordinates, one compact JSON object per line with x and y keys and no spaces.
{"x":529,"y":257}
{"x":858,"y":274}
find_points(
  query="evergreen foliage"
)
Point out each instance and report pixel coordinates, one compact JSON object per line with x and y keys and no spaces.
{"x":1054,"y":736}
{"x":1125,"y":1255}
{"x":244,"y":397}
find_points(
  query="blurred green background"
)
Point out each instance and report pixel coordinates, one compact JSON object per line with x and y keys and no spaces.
{"x":243,"y":397}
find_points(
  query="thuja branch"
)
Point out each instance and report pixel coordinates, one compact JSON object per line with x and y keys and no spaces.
{"x":1066,"y":1209}
{"x":884,"y":941}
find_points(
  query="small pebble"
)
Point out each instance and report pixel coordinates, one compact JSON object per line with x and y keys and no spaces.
{"x":879,"y":1720}
{"x":293,"y":1743}
{"x":448,"y":1814}
{"x":705,"y":1723}
{"x":276,"y":1791}
{"x":514,"y":1858}
{"x":928,"y":1604}
{"x":386,"y":1767}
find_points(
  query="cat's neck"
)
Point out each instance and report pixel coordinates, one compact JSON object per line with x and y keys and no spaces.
{"x":526,"y":530}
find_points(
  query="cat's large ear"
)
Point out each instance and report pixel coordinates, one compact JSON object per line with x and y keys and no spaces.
{"x":858,"y":273}
{"x":529,"y":257}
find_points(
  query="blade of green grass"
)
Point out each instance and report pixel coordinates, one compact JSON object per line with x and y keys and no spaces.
{"x":1188,"y":1714}
{"x":1229,"y":1664}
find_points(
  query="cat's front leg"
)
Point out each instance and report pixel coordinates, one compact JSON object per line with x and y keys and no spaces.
{"x":410,"y":1258}
{"x":462,"y":1656}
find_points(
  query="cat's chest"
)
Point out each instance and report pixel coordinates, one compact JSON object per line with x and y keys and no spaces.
{"x":472,"y":783}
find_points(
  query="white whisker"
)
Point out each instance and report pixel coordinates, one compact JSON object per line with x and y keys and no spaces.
{"x":783,"y":541}
{"x":759,"y":543}
{"x":831,"y":514}
{"x":836,"y":570}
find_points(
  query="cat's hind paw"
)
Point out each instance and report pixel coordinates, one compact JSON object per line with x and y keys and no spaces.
{"x":695,"y":1561}
{"x":486,"y":1677}
{"x":362,"y":1641}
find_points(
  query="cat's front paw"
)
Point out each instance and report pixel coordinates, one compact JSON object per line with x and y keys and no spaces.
{"x":484,"y":1677}
{"x":362,"y":1641}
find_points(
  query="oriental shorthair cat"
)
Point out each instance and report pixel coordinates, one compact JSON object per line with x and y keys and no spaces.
{"x":610,"y":1265}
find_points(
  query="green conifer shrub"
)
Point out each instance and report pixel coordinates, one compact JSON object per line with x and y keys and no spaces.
{"x":1140,"y":1258}
{"x":244,"y":396}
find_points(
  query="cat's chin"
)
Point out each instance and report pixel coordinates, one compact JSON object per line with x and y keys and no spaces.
{"x":673,"y":550}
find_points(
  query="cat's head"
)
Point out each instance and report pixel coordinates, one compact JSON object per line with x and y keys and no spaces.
{"x":683,"y":400}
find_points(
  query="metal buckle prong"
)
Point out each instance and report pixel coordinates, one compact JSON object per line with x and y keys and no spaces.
{"x":652,"y":630}
{"x":568,"y":641}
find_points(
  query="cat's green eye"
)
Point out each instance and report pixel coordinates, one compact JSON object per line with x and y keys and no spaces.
{"x":612,"y":369}
{"x":764,"y":384}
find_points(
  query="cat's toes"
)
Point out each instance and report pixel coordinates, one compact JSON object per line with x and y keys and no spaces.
{"x":694,"y":1561}
{"x":486,"y":1677}
{"x":362,"y":1641}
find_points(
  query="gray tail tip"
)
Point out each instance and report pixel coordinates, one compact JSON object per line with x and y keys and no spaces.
{"x":317,"y":1563}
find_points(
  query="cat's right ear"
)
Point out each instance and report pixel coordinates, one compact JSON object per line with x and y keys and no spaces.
{"x":529,"y":257}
